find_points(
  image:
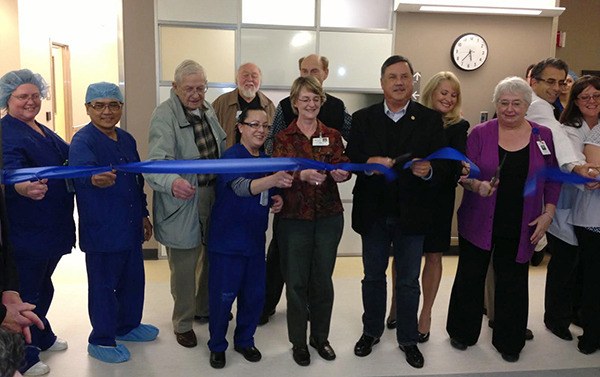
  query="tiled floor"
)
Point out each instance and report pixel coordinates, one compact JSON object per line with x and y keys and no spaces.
{"x":165,"y":357}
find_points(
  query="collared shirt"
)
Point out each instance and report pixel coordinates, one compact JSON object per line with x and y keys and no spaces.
{"x":395,"y":116}
{"x":205,"y":140}
{"x":304,"y":200}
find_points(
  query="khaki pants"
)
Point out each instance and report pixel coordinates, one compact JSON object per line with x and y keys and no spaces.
{"x":189,"y":272}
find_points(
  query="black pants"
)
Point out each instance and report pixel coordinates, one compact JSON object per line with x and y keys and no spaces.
{"x":274,"y":277}
{"x":589,"y":243}
{"x":511,"y":301}
{"x":560,"y":282}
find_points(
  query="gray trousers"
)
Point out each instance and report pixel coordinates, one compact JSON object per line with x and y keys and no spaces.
{"x":189,"y":272}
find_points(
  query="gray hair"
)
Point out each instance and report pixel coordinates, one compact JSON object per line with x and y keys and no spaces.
{"x":514,"y":85}
{"x":186,"y":68}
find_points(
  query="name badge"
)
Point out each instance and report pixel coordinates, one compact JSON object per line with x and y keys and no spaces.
{"x":320,"y":141}
{"x":543,"y":147}
{"x":264,"y":198}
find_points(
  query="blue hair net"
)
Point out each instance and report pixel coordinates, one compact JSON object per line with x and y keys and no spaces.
{"x":573,"y":75}
{"x":103,"y":90}
{"x":13,"y":79}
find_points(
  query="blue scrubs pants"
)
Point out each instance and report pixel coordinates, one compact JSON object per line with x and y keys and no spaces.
{"x":35,"y":287}
{"x":115,"y":294}
{"x":231,"y":277}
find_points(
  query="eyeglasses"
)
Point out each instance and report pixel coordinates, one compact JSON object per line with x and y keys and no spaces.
{"x":191,"y":91}
{"x":100,"y":106}
{"x":256,"y":126}
{"x":27,"y":97}
{"x":588,"y":97}
{"x":307,"y":99}
{"x":552,"y":82}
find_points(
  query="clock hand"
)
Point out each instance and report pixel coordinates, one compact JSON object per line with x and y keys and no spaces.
{"x":470,"y":55}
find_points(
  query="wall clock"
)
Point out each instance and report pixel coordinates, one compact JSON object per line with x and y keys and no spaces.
{"x":469,"y":51}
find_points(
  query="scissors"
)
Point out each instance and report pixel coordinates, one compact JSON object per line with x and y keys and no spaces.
{"x":401,"y":158}
{"x":497,"y":175}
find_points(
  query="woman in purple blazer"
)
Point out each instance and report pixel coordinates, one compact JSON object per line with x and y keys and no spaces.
{"x":496,"y":221}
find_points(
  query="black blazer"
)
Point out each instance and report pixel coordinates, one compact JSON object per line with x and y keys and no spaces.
{"x":419,"y":132}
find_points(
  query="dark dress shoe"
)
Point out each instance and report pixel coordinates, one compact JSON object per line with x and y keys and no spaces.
{"x":423,"y":337}
{"x":585,"y":348}
{"x":459,"y":345}
{"x":301,"y":355}
{"x":217,"y":359}
{"x":365,"y":344}
{"x":561,"y":332}
{"x":510,"y":357}
{"x":528,"y":334}
{"x":187,"y":339}
{"x":324,"y":349}
{"x":414,"y":357}
{"x":250,"y":353}
{"x":391,"y":323}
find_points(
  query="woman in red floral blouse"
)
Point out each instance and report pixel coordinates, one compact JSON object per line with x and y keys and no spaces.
{"x":311,"y":222}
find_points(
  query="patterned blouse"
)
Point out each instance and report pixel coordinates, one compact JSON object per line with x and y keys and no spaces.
{"x":304,"y":201}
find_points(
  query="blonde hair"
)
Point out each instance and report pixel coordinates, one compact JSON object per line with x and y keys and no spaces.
{"x":309,"y":83}
{"x":453,"y":116}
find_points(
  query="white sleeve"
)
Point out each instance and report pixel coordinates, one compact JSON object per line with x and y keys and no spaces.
{"x":541,"y":112}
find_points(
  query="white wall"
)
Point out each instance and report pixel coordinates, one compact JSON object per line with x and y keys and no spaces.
{"x":90,"y":30}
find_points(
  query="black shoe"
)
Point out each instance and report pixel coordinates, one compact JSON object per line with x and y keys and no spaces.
{"x":264,"y":317}
{"x":423,"y":337}
{"x":365,"y":344}
{"x":187,"y":339}
{"x":250,"y":353}
{"x":414,"y":357}
{"x":324,"y":349}
{"x":561,"y":332}
{"x":528,"y":334}
{"x":301,"y":355}
{"x":584,"y":348}
{"x":391,"y":323}
{"x":459,"y":345}
{"x":510,"y":357}
{"x":217,"y":360}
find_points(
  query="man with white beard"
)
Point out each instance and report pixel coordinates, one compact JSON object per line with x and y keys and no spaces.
{"x":247,"y":95}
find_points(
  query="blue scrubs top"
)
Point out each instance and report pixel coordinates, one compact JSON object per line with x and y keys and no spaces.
{"x":238,"y":224}
{"x":110,"y":218}
{"x":38,"y":228}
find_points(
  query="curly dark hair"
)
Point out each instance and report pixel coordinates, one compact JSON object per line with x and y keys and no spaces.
{"x":12,"y":349}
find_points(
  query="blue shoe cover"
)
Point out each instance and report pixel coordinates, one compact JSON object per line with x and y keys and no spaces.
{"x":142,"y":333}
{"x":118,"y":354}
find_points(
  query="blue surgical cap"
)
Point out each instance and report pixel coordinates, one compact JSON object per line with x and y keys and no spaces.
{"x":573,"y":75}
{"x":13,"y":79}
{"x":103,"y":90}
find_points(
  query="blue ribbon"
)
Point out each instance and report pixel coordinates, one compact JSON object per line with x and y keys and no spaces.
{"x":448,"y":153}
{"x":556,"y":175}
{"x":244,"y":165}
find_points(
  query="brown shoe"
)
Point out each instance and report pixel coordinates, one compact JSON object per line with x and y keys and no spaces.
{"x":187,"y":339}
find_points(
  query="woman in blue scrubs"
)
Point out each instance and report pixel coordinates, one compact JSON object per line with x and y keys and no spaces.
{"x":40,"y":213}
{"x":236,"y":242}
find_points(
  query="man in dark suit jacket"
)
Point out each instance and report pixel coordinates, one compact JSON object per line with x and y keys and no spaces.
{"x":394,"y":214}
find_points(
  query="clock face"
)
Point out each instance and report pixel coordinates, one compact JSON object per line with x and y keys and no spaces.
{"x":469,"y":51}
